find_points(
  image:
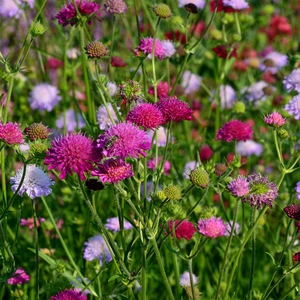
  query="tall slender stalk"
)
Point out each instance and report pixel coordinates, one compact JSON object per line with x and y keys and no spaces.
{"x":36,"y":243}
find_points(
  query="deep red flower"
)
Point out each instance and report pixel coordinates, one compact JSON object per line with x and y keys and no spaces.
{"x":223,"y":50}
{"x":118,"y":62}
{"x":185,"y":230}
{"x":221,"y":7}
{"x":177,"y":36}
{"x":293,"y":211}
{"x":205,"y":153}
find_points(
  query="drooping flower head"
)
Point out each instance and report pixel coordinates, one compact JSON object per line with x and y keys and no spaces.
{"x":185,"y":230}
{"x":75,"y":294}
{"x":186,"y":281}
{"x":261,"y":191}
{"x":292,"y":81}
{"x":73,"y":153}
{"x":113,"y":170}
{"x":239,"y":187}
{"x":103,"y":118}
{"x":249,"y":148}
{"x":124,"y":140}
{"x":174,"y":110}
{"x":275,"y":119}
{"x":212,"y":227}
{"x":44,"y":97}
{"x":96,"y":248}
{"x":115,"y":7}
{"x":293,"y":107}
{"x":68,"y":14}
{"x":146,"y":115}
{"x":146,"y":46}
{"x":293,"y":211}
{"x":11,"y":134}
{"x":235,"y":130}
{"x":35,"y":184}
{"x":19,"y":277}
{"x":114,"y":224}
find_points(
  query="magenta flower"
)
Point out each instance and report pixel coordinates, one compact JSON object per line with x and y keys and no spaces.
{"x":146,"y":46}
{"x":185,"y":230}
{"x":212,"y":227}
{"x":11,"y":134}
{"x":275,"y":119}
{"x":239,"y":187}
{"x":30,"y":222}
{"x":124,"y":140}
{"x":146,"y":115}
{"x":293,"y":211}
{"x":68,"y":14}
{"x":162,"y":90}
{"x":174,"y":110}
{"x":19,"y":277}
{"x":235,"y":130}
{"x":69,"y":295}
{"x":152,"y":166}
{"x":73,"y":153}
{"x":115,"y":6}
{"x":113,"y":170}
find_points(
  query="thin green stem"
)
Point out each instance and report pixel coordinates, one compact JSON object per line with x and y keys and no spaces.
{"x":111,"y":45}
{"x":176,"y":269}
{"x":237,"y":23}
{"x":144,"y":276}
{"x":277,"y":147}
{"x":7,"y":248}
{"x":191,"y":279}
{"x":36,"y":243}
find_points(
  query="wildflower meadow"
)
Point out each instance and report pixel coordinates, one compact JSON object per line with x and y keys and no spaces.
{"x":149,"y":150}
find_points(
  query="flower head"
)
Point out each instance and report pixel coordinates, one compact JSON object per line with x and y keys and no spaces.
{"x":115,"y":7}
{"x":118,"y":62}
{"x":274,"y":119}
{"x":235,"y":130}
{"x":19,"y":277}
{"x":296,"y":257}
{"x":37,"y":131}
{"x":103,"y":118}
{"x":146,"y":115}
{"x":95,"y":49}
{"x":199,"y":3}
{"x":114,"y":224}
{"x":146,"y":46}
{"x":30,"y":222}
{"x":95,"y":248}
{"x":174,"y":110}
{"x":162,"y":90}
{"x":293,"y":211}
{"x":292,"y":81}
{"x":185,"y":279}
{"x":297,"y":188}
{"x":273,"y":62}
{"x":72,"y":153}
{"x":199,"y":177}
{"x":75,"y":294}
{"x":162,"y":10}
{"x":249,"y":148}
{"x":124,"y":140}
{"x":73,"y":121}
{"x":35,"y":184}
{"x":185,"y":230}
{"x":227,"y":95}
{"x":113,"y":170}
{"x":239,"y":187}
{"x":169,"y":48}
{"x":68,"y":14}
{"x":212,"y":227}
{"x":191,"y":82}
{"x":11,"y":134}
{"x":44,"y":97}
{"x":256,"y":92}
{"x":293,"y":107}
{"x":130,"y":90}
{"x":236,"y":4}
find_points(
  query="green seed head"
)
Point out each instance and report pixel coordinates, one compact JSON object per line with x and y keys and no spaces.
{"x":173,"y":192}
{"x":162,"y":10}
{"x":199,"y":177}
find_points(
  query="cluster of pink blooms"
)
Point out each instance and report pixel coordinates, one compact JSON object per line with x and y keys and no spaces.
{"x":19,"y":277}
{"x":235,"y":130}
{"x":11,"y":134}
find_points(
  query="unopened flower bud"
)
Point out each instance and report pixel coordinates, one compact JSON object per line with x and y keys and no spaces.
{"x":130,"y":90}
{"x":283,"y":134}
{"x":199,"y":177}
{"x":37,"y":131}
{"x":37,"y":29}
{"x":38,"y":150}
{"x":95,"y":50}
{"x":220,"y":169}
{"x":162,"y":10}
{"x":160,"y":195}
{"x":173,"y":192}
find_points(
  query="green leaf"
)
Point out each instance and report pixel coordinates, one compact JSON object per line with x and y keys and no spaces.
{"x":45,"y":257}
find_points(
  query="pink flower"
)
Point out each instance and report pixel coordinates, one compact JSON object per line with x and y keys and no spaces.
{"x":146,"y":115}
{"x":274,"y":119}
{"x":146,"y":46}
{"x":72,"y":153}
{"x":235,"y":130}
{"x":113,"y":170}
{"x":174,"y":110}
{"x":162,"y":90}
{"x":185,"y":230}
{"x":69,"y":295}
{"x":205,"y":153}
{"x":30,"y":222}
{"x":212,"y":227}
{"x":19,"y":277}
{"x":239,"y":187}
{"x":11,"y":134}
{"x":152,"y":166}
{"x":68,"y":14}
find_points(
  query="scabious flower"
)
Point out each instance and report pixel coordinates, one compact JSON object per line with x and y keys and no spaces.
{"x":235,"y":130}
{"x":292,"y":81}
{"x":13,"y":8}
{"x":11,"y":134}
{"x":261,"y":191}
{"x":174,"y":110}
{"x":186,"y":281}
{"x":35,"y":184}
{"x":162,"y":90}
{"x":75,"y":294}
{"x":212,"y":227}
{"x":227,"y":95}
{"x":146,"y":115}
{"x":96,"y":248}
{"x":239,"y":187}
{"x":124,"y":140}
{"x":297,"y":188}
{"x":169,"y":48}
{"x":296,"y":257}
{"x":113,"y":170}
{"x":68,"y":14}
{"x":44,"y":97}
{"x":223,"y":51}
{"x":161,"y":134}
{"x":19,"y":277}
{"x":229,"y":228}
{"x":37,"y":131}
{"x":185,"y":230}
{"x":152,"y":166}
{"x":256,"y":92}
{"x":115,"y":7}
{"x":146,"y":46}
{"x":73,"y":121}
{"x":236,"y":4}
{"x":191,"y":82}
{"x":73,"y":153}
{"x":273,"y":62}
{"x":293,"y":107}
{"x":293,"y":211}
{"x":199,"y":3}
{"x":114,"y":224}
{"x":30,"y":222}
{"x":103,"y":118}
{"x":221,"y":6}
{"x":249,"y":148}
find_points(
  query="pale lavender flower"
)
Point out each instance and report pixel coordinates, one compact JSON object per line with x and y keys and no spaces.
{"x":189,"y":166}
{"x":236,"y":230}
{"x":73,"y":121}
{"x":255,"y":92}
{"x":249,"y":148}
{"x":199,"y":3}
{"x":44,"y":97}
{"x":236,"y":4}
{"x":297,"y":188}
{"x":186,"y":281}
{"x":169,"y":48}
{"x":13,"y":8}
{"x":191,"y":82}
{"x":239,"y":187}
{"x":161,"y":133}
{"x":111,"y":88}
{"x":227,"y":95}
{"x":277,"y":61}
{"x":114,"y":224}
{"x":292,"y":81}
{"x":35,"y":184}
{"x":293,"y":107}
{"x":103,"y":117}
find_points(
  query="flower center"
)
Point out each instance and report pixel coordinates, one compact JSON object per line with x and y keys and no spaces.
{"x":259,"y":189}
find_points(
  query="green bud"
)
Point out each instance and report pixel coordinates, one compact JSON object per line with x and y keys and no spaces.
{"x":159,"y":196}
{"x":283,"y":134}
{"x":208,"y":212}
{"x":38,"y":150}
{"x":60,"y":268}
{"x":199,"y":177}
{"x":162,"y":10}
{"x":236,"y":163}
{"x":268,"y":9}
{"x":216,"y":34}
{"x":37,"y":29}
{"x":239,"y":107}
{"x":173,"y":192}
{"x":237,"y":37}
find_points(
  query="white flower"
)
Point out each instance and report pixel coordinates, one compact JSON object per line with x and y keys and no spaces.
{"x":168,"y":47}
{"x":36,"y":183}
{"x":191,"y":82}
{"x":227,"y":95}
{"x":185,"y":279}
{"x":103,"y":118}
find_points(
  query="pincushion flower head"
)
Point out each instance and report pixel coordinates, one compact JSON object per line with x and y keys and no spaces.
{"x":103,"y":118}
{"x":191,"y":82}
{"x":73,"y":153}
{"x":11,"y":134}
{"x":115,"y":7}
{"x":75,"y":294}
{"x":185,"y":230}
{"x":235,"y":130}
{"x":256,"y":92}
{"x":239,"y":187}
{"x":96,"y":248}
{"x":19,"y":277}
{"x":273,"y":62}
{"x":212,"y":227}
{"x":261,"y":191}
{"x":44,"y":97}
{"x":292,"y":81}
{"x":113,"y":170}
{"x":146,"y":46}
{"x":274,"y":119}
{"x":146,"y":115}
{"x":249,"y":148}
{"x":35,"y":184}
{"x":174,"y":110}
{"x":293,"y":211}
{"x":186,"y":281}
{"x":68,"y":14}
{"x":114,"y":224}
{"x":37,"y":131}
{"x":124,"y":140}
{"x":293,"y":107}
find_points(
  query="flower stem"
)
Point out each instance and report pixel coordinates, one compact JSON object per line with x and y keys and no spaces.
{"x":277,"y":147}
{"x":191,"y":279}
{"x":36,"y":242}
